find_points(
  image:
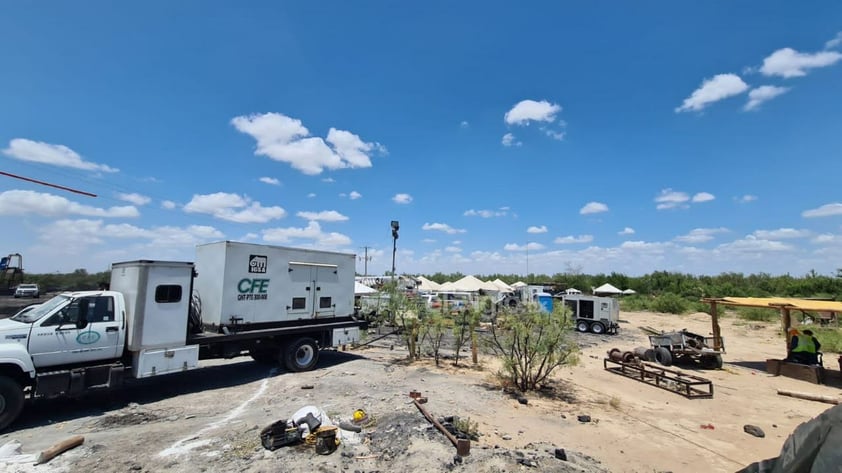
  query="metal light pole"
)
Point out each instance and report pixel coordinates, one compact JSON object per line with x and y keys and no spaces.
{"x":366,"y":259}
{"x":527,"y":260}
{"x":395,"y":227}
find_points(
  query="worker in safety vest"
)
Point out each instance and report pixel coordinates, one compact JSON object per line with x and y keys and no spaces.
{"x":804,"y":347}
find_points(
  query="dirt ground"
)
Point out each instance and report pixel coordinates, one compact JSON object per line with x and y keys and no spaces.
{"x":209,"y":419}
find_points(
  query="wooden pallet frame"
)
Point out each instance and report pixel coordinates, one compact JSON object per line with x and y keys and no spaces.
{"x":687,"y":385}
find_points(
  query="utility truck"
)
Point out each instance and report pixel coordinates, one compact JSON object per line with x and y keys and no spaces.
{"x":274,"y":303}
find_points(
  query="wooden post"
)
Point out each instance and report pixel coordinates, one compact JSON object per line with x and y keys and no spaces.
{"x":786,"y":322}
{"x":714,"y":322}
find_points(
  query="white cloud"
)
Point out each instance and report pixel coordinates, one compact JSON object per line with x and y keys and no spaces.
{"x":313,"y":231}
{"x":233,"y":208}
{"x":22,"y":202}
{"x":134,"y":198}
{"x":764,"y":93}
{"x":835,"y":42}
{"x":402,"y":198}
{"x":323,"y":216}
{"x":453,"y":249}
{"x":827,"y":239}
{"x":567,"y":240}
{"x":442,"y":227}
{"x":781,"y":234}
{"x":285,"y":139}
{"x":527,"y":111}
{"x":751,"y":244}
{"x":626,"y":231}
{"x":464,"y":124}
{"x":556,"y":135}
{"x":788,"y":63}
{"x":56,"y":155}
{"x":168,"y":204}
{"x":744,"y":199}
{"x":669,"y":199}
{"x":502,"y":212}
{"x":593,"y":208}
{"x":354,"y":195}
{"x":270,"y":180}
{"x":700,"y":235}
{"x":509,"y":140}
{"x":531,"y":246}
{"x":534,"y":229}
{"x":329,"y":180}
{"x":703,"y":197}
{"x":720,"y":87}
{"x":827,"y":210}
{"x":311,"y":195}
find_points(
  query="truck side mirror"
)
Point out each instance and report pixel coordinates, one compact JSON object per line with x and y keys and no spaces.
{"x":82,"y":319}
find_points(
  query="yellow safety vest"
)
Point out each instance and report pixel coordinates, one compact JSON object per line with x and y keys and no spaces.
{"x":805,"y":344}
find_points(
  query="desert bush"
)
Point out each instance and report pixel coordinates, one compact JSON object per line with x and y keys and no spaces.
{"x":532,"y":345}
{"x":464,"y":324}
{"x":757,"y":314}
{"x":830,"y":338}
{"x":635,"y":303}
{"x":669,"y":303}
{"x":433,"y":329}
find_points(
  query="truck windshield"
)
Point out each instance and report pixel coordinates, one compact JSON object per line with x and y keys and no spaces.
{"x":42,"y":310}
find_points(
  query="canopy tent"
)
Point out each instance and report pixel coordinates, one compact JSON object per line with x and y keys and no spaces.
{"x":518,"y":284}
{"x":360,"y":289}
{"x":427,"y":286}
{"x":503,"y":286}
{"x":783,"y":304}
{"x":572,"y":290}
{"x":607,"y":289}
{"x":629,"y":291}
{"x":447,"y":286}
{"x":473,"y":284}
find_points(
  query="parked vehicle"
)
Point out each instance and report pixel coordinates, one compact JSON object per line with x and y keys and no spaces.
{"x":593,"y":313}
{"x":28,"y":290}
{"x":159,"y":317}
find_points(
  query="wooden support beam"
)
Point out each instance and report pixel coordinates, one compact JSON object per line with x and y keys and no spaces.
{"x":714,"y":321}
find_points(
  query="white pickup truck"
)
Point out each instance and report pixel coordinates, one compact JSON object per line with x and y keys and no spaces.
{"x":276,"y":304}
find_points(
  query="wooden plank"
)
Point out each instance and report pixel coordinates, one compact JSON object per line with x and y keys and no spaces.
{"x":810,"y":397}
{"x":802,"y":372}
{"x":59,"y":448}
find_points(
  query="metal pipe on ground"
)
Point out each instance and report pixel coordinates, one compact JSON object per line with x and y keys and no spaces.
{"x":463,"y":446}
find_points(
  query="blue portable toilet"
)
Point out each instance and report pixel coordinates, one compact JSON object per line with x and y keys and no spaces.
{"x":545,"y":301}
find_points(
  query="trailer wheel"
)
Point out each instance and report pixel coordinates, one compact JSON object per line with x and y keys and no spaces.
{"x":302,"y":355}
{"x":11,"y":401}
{"x":649,"y":355}
{"x":582,"y":326}
{"x":663,"y":356}
{"x":598,"y":328}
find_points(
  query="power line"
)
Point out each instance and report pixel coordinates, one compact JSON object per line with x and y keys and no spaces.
{"x":43,"y":183}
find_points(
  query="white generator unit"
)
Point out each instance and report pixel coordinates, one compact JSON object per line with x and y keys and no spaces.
{"x":593,"y":313}
{"x":243,"y":283}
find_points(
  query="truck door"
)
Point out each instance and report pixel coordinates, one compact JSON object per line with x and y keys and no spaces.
{"x":57,"y":340}
{"x":311,"y":289}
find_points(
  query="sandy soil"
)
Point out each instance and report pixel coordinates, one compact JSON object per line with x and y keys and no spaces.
{"x":210,"y":419}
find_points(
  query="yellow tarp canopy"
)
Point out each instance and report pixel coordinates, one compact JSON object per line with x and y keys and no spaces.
{"x":786,"y":302}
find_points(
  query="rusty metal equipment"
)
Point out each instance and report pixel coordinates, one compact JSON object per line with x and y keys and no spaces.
{"x":463,"y":446}
{"x":625,"y":356}
{"x":688,"y":385}
{"x":680,"y":345}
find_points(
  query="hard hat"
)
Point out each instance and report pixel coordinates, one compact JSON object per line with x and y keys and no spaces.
{"x":359,"y":415}
{"x":793,"y":331}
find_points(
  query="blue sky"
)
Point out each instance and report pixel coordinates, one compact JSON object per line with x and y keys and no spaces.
{"x":605,"y":136}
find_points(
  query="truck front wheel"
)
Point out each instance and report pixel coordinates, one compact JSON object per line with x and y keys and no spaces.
{"x":302,"y":355}
{"x":11,"y":401}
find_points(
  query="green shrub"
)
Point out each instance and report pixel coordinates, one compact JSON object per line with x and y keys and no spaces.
{"x":635,"y":303}
{"x":757,"y":314}
{"x":670,"y":303}
{"x":831,"y":340}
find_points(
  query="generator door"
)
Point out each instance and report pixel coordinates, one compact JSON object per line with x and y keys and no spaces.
{"x":311,"y":294}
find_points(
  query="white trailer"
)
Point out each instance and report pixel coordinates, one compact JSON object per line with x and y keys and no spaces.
{"x":593,"y":313}
{"x":159,"y":317}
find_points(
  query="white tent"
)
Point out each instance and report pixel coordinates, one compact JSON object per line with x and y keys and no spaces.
{"x":572,"y":290}
{"x":473,"y":284}
{"x":448,"y":286}
{"x":629,"y":291}
{"x":360,"y":289}
{"x":518,"y":284}
{"x":607,"y":289}
{"x":502,"y":286}
{"x":427,"y":285}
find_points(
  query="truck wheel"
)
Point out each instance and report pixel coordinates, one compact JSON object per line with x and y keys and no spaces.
{"x":11,"y":401}
{"x":598,"y":328}
{"x":582,"y":326}
{"x":649,"y":355}
{"x":663,"y":356}
{"x":302,"y":355}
